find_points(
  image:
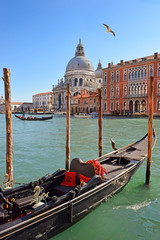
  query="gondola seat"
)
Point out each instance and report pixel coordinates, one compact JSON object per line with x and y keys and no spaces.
{"x":78,"y":166}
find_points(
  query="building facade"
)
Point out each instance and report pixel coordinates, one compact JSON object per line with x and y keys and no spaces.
{"x":42,"y":100}
{"x":126,"y":85}
{"x":80,"y":75}
{"x":86,"y":102}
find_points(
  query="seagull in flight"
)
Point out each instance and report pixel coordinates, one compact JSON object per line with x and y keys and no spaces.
{"x":109,"y":30}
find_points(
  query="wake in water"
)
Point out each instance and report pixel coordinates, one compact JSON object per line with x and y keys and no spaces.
{"x":136,"y":207}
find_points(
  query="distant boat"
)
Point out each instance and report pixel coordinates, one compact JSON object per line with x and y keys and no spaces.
{"x":94,"y":114}
{"x":31,"y":118}
{"x":43,"y":208}
{"x":82,"y":115}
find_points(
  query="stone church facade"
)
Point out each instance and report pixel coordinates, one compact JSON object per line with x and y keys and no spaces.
{"x":80,"y":75}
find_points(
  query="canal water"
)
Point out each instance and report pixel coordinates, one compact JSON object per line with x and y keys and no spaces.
{"x":39,"y":148}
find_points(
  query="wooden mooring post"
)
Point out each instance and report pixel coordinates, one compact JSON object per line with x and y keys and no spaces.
{"x":68,"y":127}
{"x":8,"y":113}
{"x":150,"y":130}
{"x":100,"y":122}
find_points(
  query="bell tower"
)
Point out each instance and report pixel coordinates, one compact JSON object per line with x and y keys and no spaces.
{"x":79,"y":49}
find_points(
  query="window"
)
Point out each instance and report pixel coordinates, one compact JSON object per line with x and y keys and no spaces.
{"x":105,"y":77}
{"x":80,"y":82}
{"x":117,"y":106}
{"x":129,"y":91}
{"x":125,"y":91}
{"x":158,"y":105}
{"x":117,"y":76}
{"x":105,"y":92}
{"x":136,"y":75}
{"x":151,"y":72}
{"x":145,"y":89}
{"x":159,"y":71}
{"x":132,"y":75}
{"x":129,"y":75}
{"x":111,"y":106}
{"x":105,"y":106}
{"x":158,"y":89}
{"x":139,"y":74}
{"x":117,"y":91}
{"x":112,"y":77}
{"x":75,"y":82}
{"x":94,"y":100}
{"x":142,"y":73}
{"x":145,"y":73}
{"x":112,"y":92}
{"x":125,"y":75}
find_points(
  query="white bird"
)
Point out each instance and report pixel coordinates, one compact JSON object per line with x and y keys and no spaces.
{"x":109,"y":30}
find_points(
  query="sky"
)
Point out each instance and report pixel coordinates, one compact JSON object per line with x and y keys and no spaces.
{"x":39,"y":37}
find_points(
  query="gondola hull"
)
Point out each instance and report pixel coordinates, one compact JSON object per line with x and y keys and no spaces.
{"x":33,"y":118}
{"x":53,"y":218}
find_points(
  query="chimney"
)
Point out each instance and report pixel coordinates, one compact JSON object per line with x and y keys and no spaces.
{"x":109,"y":65}
{"x":121,"y":62}
{"x":156,"y":55}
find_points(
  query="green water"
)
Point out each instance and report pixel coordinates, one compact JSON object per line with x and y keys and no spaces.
{"x":39,"y":148}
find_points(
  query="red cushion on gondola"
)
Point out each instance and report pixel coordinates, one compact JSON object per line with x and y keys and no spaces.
{"x":83,"y":178}
{"x":70,"y":179}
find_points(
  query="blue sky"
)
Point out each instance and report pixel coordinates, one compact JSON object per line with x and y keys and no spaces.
{"x":39,"y":37}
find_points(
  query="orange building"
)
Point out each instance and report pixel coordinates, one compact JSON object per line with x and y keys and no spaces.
{"x":86,"y":102}
{"x":125,"y":86}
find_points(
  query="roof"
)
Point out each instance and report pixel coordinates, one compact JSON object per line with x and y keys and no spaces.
{"x":135,"y":61}
{"x":86,"y":95}
{"x":42,"y":93}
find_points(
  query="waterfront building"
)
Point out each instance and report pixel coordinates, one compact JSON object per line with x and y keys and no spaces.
{"x":86,"y":102}
{"x":18,"y":107}
{"x":42,"y":100}
{"x":126,"y":85}
{"x":80,"y":75}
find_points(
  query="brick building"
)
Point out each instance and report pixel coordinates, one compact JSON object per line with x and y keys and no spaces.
{"x":125,"y":86}
{"x":86,"y":102}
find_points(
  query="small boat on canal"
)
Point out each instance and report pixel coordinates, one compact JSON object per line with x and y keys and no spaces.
{"x":31,"y":118}
{"x":82,"y":115}
{"x":43,"y":208}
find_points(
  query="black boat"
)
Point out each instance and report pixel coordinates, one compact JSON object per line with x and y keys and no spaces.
{"x":43,"y":208}
{"x":31,"y":118}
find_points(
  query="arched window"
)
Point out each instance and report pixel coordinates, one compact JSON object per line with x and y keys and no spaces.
{"x":151,"y":72}
{"x":112,"y":92}
{"x":105,"y":106}
{"x":145,"y":73}
{"x":75,"y":82}
{"x":158,"y":89}
{"x":117,"y":76}
{"x":145,"y":89}
{"x":117,"y":106}
{"x":142,"y":73}
{"x":139,"y":74}
{"x":80,"y":82}
{"x":135,"y":74}
{"x":129,"y":91}
{"x":139,"y":92}
{"x":158,"y":105}
{"x":159,"y":71}
{"x":132,"y":75}
{"x":125,"y":91}
{"x":129,"y":75}
{"x":105,"y":91}
{"x":117,"y":92}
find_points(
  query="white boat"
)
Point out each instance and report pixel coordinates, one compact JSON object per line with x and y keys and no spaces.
{"x":82,"y":115}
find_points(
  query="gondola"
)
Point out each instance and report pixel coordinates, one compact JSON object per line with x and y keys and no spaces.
{"x":43,"y":208}
{"x":31,"y":118}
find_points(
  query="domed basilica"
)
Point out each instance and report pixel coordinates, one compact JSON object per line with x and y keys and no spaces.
{"x":80,"y":75}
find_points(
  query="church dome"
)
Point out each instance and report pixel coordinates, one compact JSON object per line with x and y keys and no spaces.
{"x":79,"y":61}
{"x":99,"y":71}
